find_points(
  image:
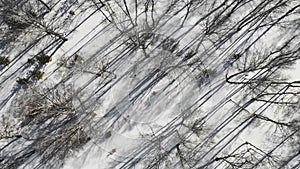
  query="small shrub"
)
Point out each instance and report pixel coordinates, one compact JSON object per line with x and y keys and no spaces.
{"x":22,"y":81}
{"x":32,"y":14}
{"x":107,"y":134}
{"x":72,"y":12}
{"x":189,"y":55}
{"x":43,"y":59}
{"x":4,"y":61}
{"x":236,"y":56}
{"x":82,"y":139}
{"x":208,"y":73}
{"x":79,"y":138}
{"x":39,"y":74}
{"x":113,"y":150}
{"x":170,"y":45}
{"x":31,"y":61}
{"x":77,"y":58}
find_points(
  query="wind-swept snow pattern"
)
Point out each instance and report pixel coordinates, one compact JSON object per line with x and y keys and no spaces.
{"x":123,"y":84}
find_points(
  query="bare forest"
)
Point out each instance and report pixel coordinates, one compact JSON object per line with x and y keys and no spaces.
{"x":149,"y":84}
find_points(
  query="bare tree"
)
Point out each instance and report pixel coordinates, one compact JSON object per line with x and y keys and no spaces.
{"x":224,"y":60}
{"x":47,"y":125}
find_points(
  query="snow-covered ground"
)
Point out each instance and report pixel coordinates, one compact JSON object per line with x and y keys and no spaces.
{"x":150,"y":84}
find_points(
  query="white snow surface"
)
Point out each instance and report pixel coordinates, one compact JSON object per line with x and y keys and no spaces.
{"x":145,"y":98}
